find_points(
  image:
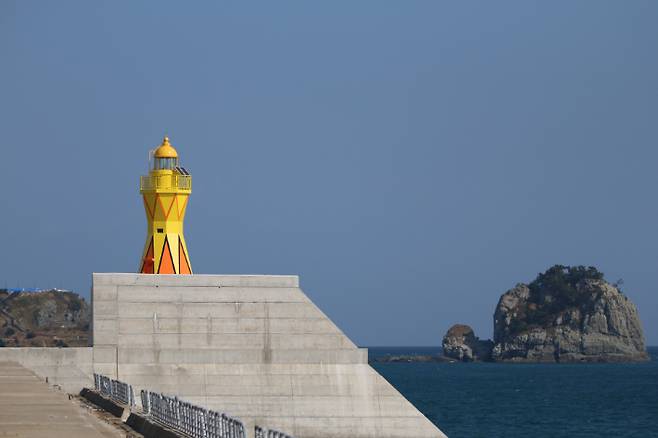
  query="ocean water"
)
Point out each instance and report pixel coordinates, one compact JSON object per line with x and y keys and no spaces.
{"x":529,"y":400}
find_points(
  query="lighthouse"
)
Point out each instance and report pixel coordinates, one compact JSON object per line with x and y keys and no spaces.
{"x":165,"y":191}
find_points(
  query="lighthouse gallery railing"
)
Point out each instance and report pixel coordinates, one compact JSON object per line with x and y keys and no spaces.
{"x":174,"y":181}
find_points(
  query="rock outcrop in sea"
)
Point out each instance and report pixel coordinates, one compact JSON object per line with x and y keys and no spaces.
{"x":567,"y":314}
{"x":461,"y":343}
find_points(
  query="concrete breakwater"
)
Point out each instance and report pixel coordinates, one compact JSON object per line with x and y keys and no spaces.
{"x":255,"y":347}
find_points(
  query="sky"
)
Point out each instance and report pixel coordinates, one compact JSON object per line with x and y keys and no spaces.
{"x":410,"y":161}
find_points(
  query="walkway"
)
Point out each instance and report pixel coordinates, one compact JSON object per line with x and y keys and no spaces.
{"x":30,"y":408}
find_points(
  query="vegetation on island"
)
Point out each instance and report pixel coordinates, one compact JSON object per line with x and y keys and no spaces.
{"x":553,"y":292}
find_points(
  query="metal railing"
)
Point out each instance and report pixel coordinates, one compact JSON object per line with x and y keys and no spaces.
{"x":191,"y":420}
{"x":102,"y":384}
{"x":163,"y":182}
{"x":115,"y":389}
{"x":264,"y":433}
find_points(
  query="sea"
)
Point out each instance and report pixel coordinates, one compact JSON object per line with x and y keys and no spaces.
{"x":528,"y":400}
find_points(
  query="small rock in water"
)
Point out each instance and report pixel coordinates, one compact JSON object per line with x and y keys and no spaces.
{"x":461,"y":343}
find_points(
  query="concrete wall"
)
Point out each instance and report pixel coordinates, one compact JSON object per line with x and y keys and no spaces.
{"x":71,"y":368}
{"x":253,"y":346}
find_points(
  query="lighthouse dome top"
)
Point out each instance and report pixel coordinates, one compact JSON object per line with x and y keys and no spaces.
{"x":165,"y":150}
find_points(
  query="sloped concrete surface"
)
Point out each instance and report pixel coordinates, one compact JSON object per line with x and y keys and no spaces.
{"x":255,"y":347}
{"x":70,"y":368}
{"x":30,"y":409}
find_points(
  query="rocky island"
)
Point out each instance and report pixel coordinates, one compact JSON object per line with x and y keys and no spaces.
{"x":567,"y":314}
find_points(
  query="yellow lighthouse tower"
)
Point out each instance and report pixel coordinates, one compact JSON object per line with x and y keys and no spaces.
{"x":165,"y":190}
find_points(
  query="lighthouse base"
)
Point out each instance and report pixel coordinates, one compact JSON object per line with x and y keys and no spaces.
{"x":254,"y":347}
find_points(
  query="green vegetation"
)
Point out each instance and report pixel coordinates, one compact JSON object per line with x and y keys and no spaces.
{"x":562,"y":283}
{"x":554,"y":291}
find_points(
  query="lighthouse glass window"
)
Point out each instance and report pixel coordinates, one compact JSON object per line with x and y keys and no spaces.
{"x":165,"y":163}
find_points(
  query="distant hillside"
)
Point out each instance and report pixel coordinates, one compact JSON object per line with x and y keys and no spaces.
{"x":50,"y":318}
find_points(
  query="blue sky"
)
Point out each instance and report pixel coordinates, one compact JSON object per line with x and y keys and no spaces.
{"x":411,"y":161}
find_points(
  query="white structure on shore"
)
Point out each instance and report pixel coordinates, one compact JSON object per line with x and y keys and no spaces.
{"x":252,"y":346}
